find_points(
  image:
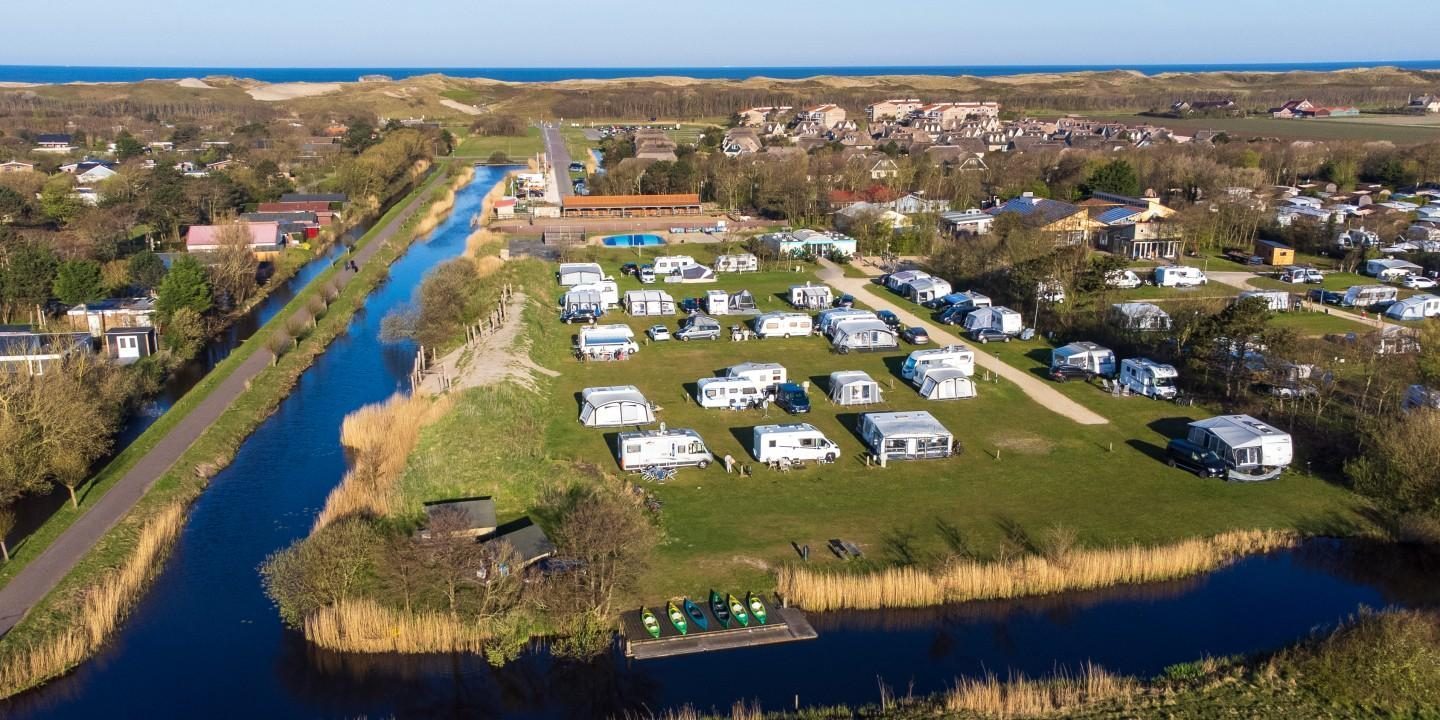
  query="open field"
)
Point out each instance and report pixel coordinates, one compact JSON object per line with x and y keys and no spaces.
{"x":481,"y":147}
{"x":1022,"y":470}
{"x":1399,"y":129}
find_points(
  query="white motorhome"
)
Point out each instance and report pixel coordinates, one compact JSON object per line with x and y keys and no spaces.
{"x":1144,"y":376}
{"x":801,"y":441}
{"x":1275,"y":300}
{"x":782,"y":324}
{"x":826,"y":321}
{"x":661,"y":448}
{"x":671,"y":264}
{"x":927,"y":289}
{"x":810,"y":296}
{"x":913,"y":435}
{"x":959,"y":357}
{"x":716,"y":302}
{"x":1094,"y":358}
{"x":945,"y":383}
{"x":1179,"y":276}
{"x":1254,"y":450}
{"x":853,"y":387}
{"x":862,"y":335}
{"x":615,"y":406}
{"x":608,"y":291}
{"x":998,"y":318}
{"x":1123,"y":279}
{"x":647,"y":303}
{"x":607,"y":341}
{"x":744,"y":262}
{"x":1367,"y":295}
{"x":731,"y":393}
{"x":572,"y":274}
{"x":766,"y":375}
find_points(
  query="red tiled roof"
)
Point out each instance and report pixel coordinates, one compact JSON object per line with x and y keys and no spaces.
{"x":633,"y":201}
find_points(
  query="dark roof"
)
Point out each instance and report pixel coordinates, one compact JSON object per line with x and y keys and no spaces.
{"x":292,"y":216}
{"x":529,"y":541}
{"x":479,"y":512}
{"x":314,"y":197}
{"x":53,"y":138}
{"x":137,"y":330}
{"x":33,"y":343}
{"x":1043,"y":208}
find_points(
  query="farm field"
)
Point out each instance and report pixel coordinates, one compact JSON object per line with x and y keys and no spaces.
{"x":481,"y":147}
{"x":1023,"y":469}
{"x":1400,"y":129}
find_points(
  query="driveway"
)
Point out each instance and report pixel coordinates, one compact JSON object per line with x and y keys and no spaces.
{"x":559,"y":158}
{"x":1040,"y":391}
{"x":1242,"y":280}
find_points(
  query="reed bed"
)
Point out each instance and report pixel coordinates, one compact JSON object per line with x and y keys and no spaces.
{"x":358,"y":625}
{"x":104,"y":605}
{"x":445,"y":203}
{"x":1023,"y":697}
{"x":381,"y":437}
{"x":1031,"y":575}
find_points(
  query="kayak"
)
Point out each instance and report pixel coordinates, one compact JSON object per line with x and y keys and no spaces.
{"x":696,"y":615}
{"x":677,"y":618}
{"x":757,"y":608}
{"x":738,"y":611}
{"x":647,"y":619}
{"x":718,"y":608}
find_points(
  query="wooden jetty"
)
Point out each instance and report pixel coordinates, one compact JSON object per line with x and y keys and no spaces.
{"x":786,"y":625}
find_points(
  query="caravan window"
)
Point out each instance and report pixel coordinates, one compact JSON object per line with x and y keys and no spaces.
{"x":931,"y":446}
{"x":807,"y":442}
{"x":632,"y":448}
{"x":696,"y":447}
{"x":772,"y":444}
{"x":897,"y":445}
{"x":1247,"y":456}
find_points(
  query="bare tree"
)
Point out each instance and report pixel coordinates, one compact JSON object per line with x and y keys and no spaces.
{"x":7,"y":523}
{"x":610,"y":538}
{"x":236,"y":266}
{"x":452,"y":555}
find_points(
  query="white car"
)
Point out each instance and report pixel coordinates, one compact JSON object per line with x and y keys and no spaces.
{"x":1417,"y":282}
{"x":658,"y":333}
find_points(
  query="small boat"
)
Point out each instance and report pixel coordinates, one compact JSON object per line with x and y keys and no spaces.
{"x":677,"y":618}
{"x":719,"y":609}
{"x":696,"y":615}
{"x":757,"y":608}
{"x":738,"y":610}
{"x":647,"y":619}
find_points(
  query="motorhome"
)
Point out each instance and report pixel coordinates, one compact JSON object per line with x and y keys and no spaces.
{"x":997,"y":318}
{"x":731,"y":393}
{"x":912,"y":435}
{"x":671,"y":264}
{"x":959,"y":357}
{"x":945,"y":383}
{"x":766,"y":375}
{"x":1356,"y":237}
{"x":810,"y":296}
{"x":646,"y":303}
{"x":926,"y":289}
{"x":1144,"y":376}
{"x":800,"y":441}
{"x":661,"y":449}
{"x":615,"y":406}
{"x":782,"y":324}
{"x":572,"y":274}
{"x":862,"y":335}
{"x":1123,"y":279}
{"x":1363,"y":296}
{"x":971,"y":300}
{"x":826,"y":321}
{"x":716,"y":302}
{"x":1093,"y":358}
{"x":744,"y":262}
{"x":853,"y":387}
{"x":1275,"y":300}
{"x":1253,"y":450}
{"x":1179,"y":276}
{"x":598,"y":341}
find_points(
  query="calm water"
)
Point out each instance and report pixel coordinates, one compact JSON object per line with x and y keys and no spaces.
{"x":205,"y":642}
{"x":65,"y":73}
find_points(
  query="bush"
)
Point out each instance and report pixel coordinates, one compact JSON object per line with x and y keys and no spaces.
{"x":499,"y":158}
{"x":321,"y":569}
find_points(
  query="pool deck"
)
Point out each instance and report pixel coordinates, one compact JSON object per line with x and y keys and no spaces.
{"x":785,"y":625}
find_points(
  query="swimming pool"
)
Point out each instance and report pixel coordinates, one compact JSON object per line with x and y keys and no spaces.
{"x":633,"y":240}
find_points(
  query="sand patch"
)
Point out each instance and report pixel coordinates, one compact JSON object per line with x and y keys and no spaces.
{"x":194,"y":83}
{"x":462,"y":107}
{"x":1023,"y":444}
{"x":291,"y":91}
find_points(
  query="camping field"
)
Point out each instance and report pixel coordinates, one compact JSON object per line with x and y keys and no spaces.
{"x":1023,"y":471}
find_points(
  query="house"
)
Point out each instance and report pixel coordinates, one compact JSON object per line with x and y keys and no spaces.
{"x":24,"y":351}
{"x":615,"y":406}
{"x":55,"y":143}
{"x":853,"y":387}
{"x":1254,"y":450}
{"x":884,"y":169}
{"x":653,"y":144}
{"x":916,"y":203}
{"x":891,"y":109}
{"x":1069,"y":224}
{"x":322,"y":210}
{"x":1139,"y":316}
{"x":912,"y":435}
{"x":760,"y":115}
{"x":129,"y":344}
{"x":15,"y":166}
{"x":266,"y":240}
{"x":327,"y":198}
{"x":505,"y":207}
{"x":1139,"y":240}
{"x":89,"y":171}
{"x":947,"y":115}
{"x":100,"y":316}
{"x":465,"y":518}
{"x":828,"y":115}
{"x":1424,"y":104}
{"x":741,"y":141}
{"x":971,"y":222}
{"x":809,"y":242}
{"x":302,"y":224}
{"x":627,"y":206}
{"x":962,"y":154}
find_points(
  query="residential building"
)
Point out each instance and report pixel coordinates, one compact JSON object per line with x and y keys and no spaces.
{"x":809,"y":242}
{"x":884,"y":169}
{"x":892,"y":110}
{"x":854,"y":215}
{"x":102,"y":315}
{"x":1069,"y":224}
{"x":741,"y":141}
{"x":757,"y":116}
{"x":654,"y":144}
{"x":55,"y":143}
{"x":266,"y":240}
{"x":1425,"y":104}
{"x":1146,"y":240}
{"x":15,"y":166}
{"x":950,"y":114}
{"x":828,"y":116}
{"x":616,"y":206}
{"x":962,"y":223}
{"x":24,"y":351}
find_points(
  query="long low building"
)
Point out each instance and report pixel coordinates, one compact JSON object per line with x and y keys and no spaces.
{"x":624,"y":206}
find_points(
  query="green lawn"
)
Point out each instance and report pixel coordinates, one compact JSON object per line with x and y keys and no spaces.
{"x":1023,"y":469}
{"x":481,"y":147}
{"x":1365,"y":127}
{"x":1315,"y":323}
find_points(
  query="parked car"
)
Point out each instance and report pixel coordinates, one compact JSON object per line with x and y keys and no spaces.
{"x":889,"y":318}
{"x":1417,"y":282}
{"x":658,"y":333}
{"x":579,"y":315}
{"x":698,"y":332}
{"x":630,"y":269}
{"x":936,"y":303}
{"x":953,"y":315}
{"x":791,"y":398}
{"x":1066,"y":373}
{"x":880,"y":279}
{"x":646,"y":274}
{"x":690,"y":305}
{"x":915,"y":335}
{"x":844,"y":301}
{"x":1196,"y":459}
{"x":985,"y":335}
{"x":1325,"y":297}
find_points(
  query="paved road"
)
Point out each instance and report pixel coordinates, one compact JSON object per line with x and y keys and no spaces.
{"x":559,"y":158}
{"x":1038,"y":390}
{"x":42,"y":574}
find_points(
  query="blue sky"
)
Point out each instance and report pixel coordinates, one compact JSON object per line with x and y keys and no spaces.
{"x":626,"y":33}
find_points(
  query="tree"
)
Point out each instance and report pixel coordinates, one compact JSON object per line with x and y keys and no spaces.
{"x":451,"y":554}
{"x":611,"y":538}
{"x":147,"y":270}
{"x":1400,"y":466}
{"x":1116,"y":177}
{"x":7,"y":523}
{"x":184,"y":287}
{"x":13,"y":205}
{"x":126,"y":146}
{"x":26,"y":276}
{"x":57,"y":200}
{"x":236,"y":266}
{"x":320,"y":569}
{"x":184,"y":333}
{"x":79,"y":281}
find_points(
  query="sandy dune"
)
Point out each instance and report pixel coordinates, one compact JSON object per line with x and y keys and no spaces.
{"x":195,"y":83}
{"x":462,"y":107}
{"x":291,"y":91}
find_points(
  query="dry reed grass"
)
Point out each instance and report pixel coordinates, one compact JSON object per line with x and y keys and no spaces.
{"x":445,"y":203}
{"x":1023,"y":697}
{"x":358,"y":625}
{"x":1030,"y":575}
{"x":103,"y":606}
{"x":381,"y":436}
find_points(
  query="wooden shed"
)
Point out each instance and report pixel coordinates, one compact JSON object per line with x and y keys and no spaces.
{"x":1275,"y":254}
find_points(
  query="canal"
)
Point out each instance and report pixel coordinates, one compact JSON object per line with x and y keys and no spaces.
{"x":206,"y":642}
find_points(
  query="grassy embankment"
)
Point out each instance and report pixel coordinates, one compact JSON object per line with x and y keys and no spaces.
{"x":43,"y":645}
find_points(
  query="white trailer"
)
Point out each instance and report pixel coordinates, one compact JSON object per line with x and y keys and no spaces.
{"x":1276,"y":300}
{"x":826,"y":321}
{"x":661,"y":448}
{"x":801,"y":441}
{"x":913,"y":435}
{"x":1144,"y":376}
{"x":810,"y":296}
{"x":945,"y":383}
{"x":1367,"y":295}
{"x":1179,"y":276}
{"x":717,"y":302}
{"x":1254,"y":450}
{"x":729,"y":393}
{"x":853,"y":387}
{"x":766,"y":375}
{"x":996,"y":318}
{"x":743,"y":262}
{"x":649,"y":303}
{"x":927,"y":289}
{"x":959,"y":357}
{"x":572,"y":274}
{"x":607,"y":341}
{"x":671,"y":264}
{"x":607,"y":289}
{"x":1088,"y":355}
{"x":862,"y":335}
{"x":615,"y":406}
{"x":782,"y":324}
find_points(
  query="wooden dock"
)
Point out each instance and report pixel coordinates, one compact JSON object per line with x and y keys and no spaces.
{"x":785,"y":625}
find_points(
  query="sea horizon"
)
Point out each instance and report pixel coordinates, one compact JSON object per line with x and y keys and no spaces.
{"x":55,"y":74}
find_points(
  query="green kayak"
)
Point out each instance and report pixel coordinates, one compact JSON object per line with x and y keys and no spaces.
{"x":677,"y":618}
{"x":652,"y":625}
{"x":757,"y":608}
{"x":738,"y":611}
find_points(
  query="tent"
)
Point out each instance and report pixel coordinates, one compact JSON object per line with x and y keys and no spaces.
{"x":1415,"y":307}
{"x":583,"y":297}
{"x":615,"y":406}
{"x":571,"y":274}
{"x":853,"y":387}
{"x":861,"y":334}
{"x":742,"y":302}
{"x":691,"y":274}
{"x":649,"y":302}
{"x":946,"y":383}
{"x":1245,"y":444}
{"x":810,"y":297}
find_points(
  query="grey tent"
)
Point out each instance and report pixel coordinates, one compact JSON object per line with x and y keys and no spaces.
{"x":615,"y":406}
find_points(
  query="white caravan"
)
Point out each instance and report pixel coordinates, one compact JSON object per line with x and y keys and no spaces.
{"x":945,"y":383}
{"x":717,"y":302}
{"x":1179,"y":276}
{"x":1275,"y":300}
{"x":1123,"y":279}
{"x":782,"y":324}
{"x":959,"y":357}
{"x":1144,"y":376}
{"x":995,"y":318}
{"x":572,"y":274}
{"x":1367,"y":295}
{"x":801,"y":441}
{"x":826,"y":321}
{"x":927,"y":289}
{"x":671,"y":264}
{"x":853,"y":387}
{"x":810,"y":296}
{"x":615,"y":406}
{"x":729,"y":393}
{"x":744,"y":262}
{"x":766,"y":375}
{"x":1087,"y":355}
{"x":661,"y":448}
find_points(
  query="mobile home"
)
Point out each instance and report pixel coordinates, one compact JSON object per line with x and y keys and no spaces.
{"x":1088,"y":355}
{"x":861,"y":335}
{"x":826,"y":321}
{"x":1179,"y":276}
{"x":810,"y":296}
{"x":1144,"y":376}
{"x":1276,"y":300}
{"x":945,"y":383}
{"x":853,"y":387}
{"x":801,"y":441}
{"x":731,"y":393}
{"x":615,"y":406}
{"x":572,"y":274}
{"x":782,"y":324}
{"x":766,"y":375}
{"x":1367,"y":295}
{"x":913,"y":435}
{"x":959,"y":357}
{"x":1274,"y":253}
{"x":661,"y":448}
{"x":1388,"y":269}
{"x":744,"y":262}
{"x":1254,"y":450}
{"x":1415,"y":307}
{"x":927,"y":289}
{"x":607,"y":340}
{"x":647,"y":303}
{"x":995,"y":318}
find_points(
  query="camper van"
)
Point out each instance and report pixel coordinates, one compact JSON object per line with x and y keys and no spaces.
{"x":1275,"y":300}
{"x":729,"y":393}
{"x":954,"y":356}
{"x":1363,"y":296}
{"x":698,"y":327}
{"x":1298,"y":274}
{"x":716,"y":302}
{"x":863,"y":335}
{"x":572,"y":274}
{"x":910,"y":435}
{"x":1144,"y":376}
{"x":801,"y":441}
{"x":945,"y":383}
{"x":607,"y":340}
{"x":810,"y":296}
{"x":766,"y":375}
{"x":661,"y":448}
{"x":1179,"y":276}
{"x":1123,"y":279}
{"x":744,"y":262}
{"x":826,"y":321}
{"x":782,"y":324}
{"x":671,"y":264}
{"x":1092,"y":358}
{"x":615,"y":406}
{"x":1253,"y":450}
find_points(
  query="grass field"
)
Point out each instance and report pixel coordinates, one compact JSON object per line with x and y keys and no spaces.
{"x":1398,"y":129}
{"x":481,"y":147}
{"x":1022,"y":471}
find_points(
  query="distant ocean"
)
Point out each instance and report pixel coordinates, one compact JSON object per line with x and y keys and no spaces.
{"x":64,"y":74}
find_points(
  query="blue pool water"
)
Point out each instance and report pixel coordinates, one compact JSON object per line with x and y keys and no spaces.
{"x":633,"y":240}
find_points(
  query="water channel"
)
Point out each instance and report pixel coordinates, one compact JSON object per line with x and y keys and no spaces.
{"x":206,"y":642}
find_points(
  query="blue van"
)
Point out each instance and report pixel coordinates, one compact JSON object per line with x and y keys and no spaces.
{"x":792,"y":398}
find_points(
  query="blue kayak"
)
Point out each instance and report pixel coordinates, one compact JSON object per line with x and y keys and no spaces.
{"x":697,"y":616}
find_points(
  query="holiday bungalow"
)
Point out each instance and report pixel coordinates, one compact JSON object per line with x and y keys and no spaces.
{"x":266,"y":240}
